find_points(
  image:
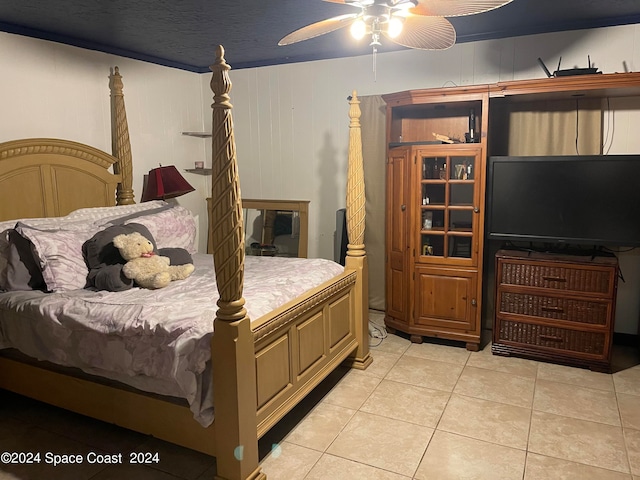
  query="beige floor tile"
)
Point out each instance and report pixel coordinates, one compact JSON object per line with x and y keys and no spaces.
{"x":628,"y":381}
{"x":382,"y":442}
{"x":320,"y":427}
{"x":441,"y":353}
{"x":576,"y":402}
{"x":496,"y":386}
{"x":176,"y":460}
{"x":493,"y":422}
{"x":425,"y":373}
{"x":393,"y":344}
{"x":632,"y":441}
{"x":575,"y":376}
{"x":290,"y":461}
{"x":578,"y":441}
{"x":419,"y":405}
{"x":139,"y":472}
{"x":208,"y":474}
{"x":336,"y":468}
{"x":382,"y":363}
{"x":38,"y":441}
{"x":454,"y":457}
{"x":540,"y":467}
{"x":352,"y":390}
{"x":629,"y":406}
{"x":516,"y":366}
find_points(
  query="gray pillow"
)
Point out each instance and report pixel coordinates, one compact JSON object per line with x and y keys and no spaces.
{"x":23,"y":270}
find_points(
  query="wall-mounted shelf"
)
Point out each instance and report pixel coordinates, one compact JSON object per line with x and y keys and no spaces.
{"x":197,"y":134}
{"x":199,"y":171}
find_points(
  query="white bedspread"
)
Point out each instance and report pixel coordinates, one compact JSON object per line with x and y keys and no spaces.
{"x":154,"y":340}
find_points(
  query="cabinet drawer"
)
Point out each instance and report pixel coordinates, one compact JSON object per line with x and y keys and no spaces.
{"x":558,"y":276}
{"x":561,"y":339}
{"x":583,"y":311}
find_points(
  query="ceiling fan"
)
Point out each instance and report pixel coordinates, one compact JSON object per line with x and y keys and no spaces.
{"x":410,"y":23}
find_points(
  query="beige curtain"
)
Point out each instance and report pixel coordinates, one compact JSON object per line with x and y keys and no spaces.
{"x":571,"y":127}
{"x":373,"y":109}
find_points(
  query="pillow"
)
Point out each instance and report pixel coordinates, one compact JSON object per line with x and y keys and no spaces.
{"x":22,"y":272}
{"x":59,"y":254}
{"x":103,"y":215}
{"x":171,"y":228}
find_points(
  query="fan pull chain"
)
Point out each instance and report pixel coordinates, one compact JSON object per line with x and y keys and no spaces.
{"x":375,"y":51}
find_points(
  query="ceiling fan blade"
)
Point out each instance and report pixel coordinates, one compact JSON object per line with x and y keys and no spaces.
{"x":426,"y":33}
{"x":318,"y":28}
{"x":450,"y":8}
{"x":355,"y":3}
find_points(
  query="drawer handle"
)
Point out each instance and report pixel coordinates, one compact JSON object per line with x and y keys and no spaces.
{"x":554,"y":279}
{"x":551,"y":338}
{"x":552,"y":309}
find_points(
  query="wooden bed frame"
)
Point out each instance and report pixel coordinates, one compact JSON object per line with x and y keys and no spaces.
{"x":261,"y":369}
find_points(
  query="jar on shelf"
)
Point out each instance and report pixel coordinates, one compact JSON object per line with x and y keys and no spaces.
{"x":443,"y":172}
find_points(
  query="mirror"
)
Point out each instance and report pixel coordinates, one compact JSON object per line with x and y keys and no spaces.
{"x":276,"y":227}
{"x":272,"y":232}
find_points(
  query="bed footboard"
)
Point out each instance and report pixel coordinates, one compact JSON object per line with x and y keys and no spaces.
{"x":300,"y":344}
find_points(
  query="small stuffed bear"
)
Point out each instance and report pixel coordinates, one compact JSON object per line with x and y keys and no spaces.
{"x":143,"y":266}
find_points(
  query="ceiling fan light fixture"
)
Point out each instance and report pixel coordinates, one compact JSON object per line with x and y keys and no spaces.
{"x":358,"y":29}
{"x":394,"y":27}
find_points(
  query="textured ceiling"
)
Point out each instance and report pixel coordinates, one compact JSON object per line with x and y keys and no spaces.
{"x":184,"y":33}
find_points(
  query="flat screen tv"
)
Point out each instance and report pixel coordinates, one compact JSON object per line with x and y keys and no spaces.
{"x":587,"y":199}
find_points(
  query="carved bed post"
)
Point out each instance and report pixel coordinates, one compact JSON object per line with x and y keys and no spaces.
{"x":234,"y":372}
{"x":356,"y":255}
{"x":120,"y":143}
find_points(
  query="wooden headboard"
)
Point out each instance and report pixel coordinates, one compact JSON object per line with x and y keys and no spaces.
{"x":46,"y":177}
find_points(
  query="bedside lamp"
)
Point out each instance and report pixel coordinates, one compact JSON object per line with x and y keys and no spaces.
{"x":164,"y":182}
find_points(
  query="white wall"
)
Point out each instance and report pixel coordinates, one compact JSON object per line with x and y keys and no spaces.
{"x":291,"y":121}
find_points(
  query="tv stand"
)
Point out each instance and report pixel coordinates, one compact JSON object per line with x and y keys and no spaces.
{"x":555,"y":307}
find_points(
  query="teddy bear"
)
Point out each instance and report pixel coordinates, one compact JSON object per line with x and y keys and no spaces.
{"x":144,"y":266}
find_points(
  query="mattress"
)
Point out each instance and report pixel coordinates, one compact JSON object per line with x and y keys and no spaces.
{"x":154,"y":340}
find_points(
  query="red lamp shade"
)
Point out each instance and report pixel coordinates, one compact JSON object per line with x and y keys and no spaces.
{"x":163,"y":183}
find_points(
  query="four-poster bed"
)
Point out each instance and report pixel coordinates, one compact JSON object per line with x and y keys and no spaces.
{"x":261,"y":367}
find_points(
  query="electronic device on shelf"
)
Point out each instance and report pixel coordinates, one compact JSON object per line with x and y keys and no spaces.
{"x":577,"y":199}
{"x":590,"y":70}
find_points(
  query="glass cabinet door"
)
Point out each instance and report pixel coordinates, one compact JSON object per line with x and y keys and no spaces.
{"x":448,"y":200}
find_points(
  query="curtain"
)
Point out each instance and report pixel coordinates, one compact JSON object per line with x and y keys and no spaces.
{"x":374,"y":154}
{"x":568,"y":127}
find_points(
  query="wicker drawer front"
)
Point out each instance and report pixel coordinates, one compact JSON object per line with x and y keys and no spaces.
{"x":579,"y":311}
{"x":557,"y":277}
{"x":552,"y":337}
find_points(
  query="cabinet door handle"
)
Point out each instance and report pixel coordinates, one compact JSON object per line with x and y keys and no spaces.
{"x":551,"y":338}
{"x":552,"y":309}
{"x":403,"y":207}
{"x":474,"y":302}
{"x":554,"y":279}
{"x":476,"y":210}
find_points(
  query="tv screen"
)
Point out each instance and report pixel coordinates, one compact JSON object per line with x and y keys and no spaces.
{"x":586,"y":199}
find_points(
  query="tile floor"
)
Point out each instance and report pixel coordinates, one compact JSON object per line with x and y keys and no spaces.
{"x":429,"y":411}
